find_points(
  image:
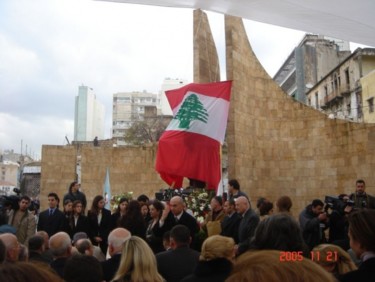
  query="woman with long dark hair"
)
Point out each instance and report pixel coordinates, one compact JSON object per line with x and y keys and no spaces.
{"x":119,"y":213}
{"x":154,"y":237}
{"x":78,"y":222}
{"x":133,"y":220}
{"x":100,"y":223}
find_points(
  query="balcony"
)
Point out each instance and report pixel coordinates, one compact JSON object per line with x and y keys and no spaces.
{"x":333,"y":97}
{"x":336,"y":95}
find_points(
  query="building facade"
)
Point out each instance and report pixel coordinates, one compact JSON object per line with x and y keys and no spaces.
{"x":368,"y":94}
{"x":30,"y":179}
{"x":169,"y":84}
{"x":339,"y":93}
{"x":9,"y":172}
{"x":310,"y":61}
{"x":127,"y":108}
{"x":89,"y":116}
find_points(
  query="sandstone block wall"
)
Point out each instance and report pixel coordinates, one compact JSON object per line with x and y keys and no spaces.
{"x":130,"y":169}
{"x":278,"y":146}
{"x":206,"y":60}
{"x":58,"y":170}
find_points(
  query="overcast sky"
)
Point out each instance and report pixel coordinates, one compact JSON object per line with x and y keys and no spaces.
{"x":50,"y":47}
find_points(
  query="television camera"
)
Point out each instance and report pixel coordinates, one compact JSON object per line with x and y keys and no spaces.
{"x":10,"y":202}
{"x":337,"y":203}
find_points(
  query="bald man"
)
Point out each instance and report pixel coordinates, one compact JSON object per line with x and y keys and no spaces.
{"x":174,"y":214}
{"x":249,"y":223}
{"x":61,"y":249}
{"x":12,"y":247}
{"x":116,"y":240}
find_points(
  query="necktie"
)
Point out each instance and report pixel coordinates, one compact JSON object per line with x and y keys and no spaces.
{"x":176,"y":219}
{"x":51,"y":212}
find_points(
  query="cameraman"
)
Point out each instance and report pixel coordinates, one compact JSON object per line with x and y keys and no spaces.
{"x":313,"y":221}
{"x":360,"y":198}
{"x":7,"y":204}
{"x":338,"y":221}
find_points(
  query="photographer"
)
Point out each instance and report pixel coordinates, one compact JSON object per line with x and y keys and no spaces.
{"x":7,"y":204}
{"x":360,"y":198}
{"x":313,"y":221}
{"x":338,"y":222}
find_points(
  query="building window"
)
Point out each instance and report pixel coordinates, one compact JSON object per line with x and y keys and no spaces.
{"x":370,"y":105}
{"x":348,"y":109}
{"x":347,"y":79}
{"x":326,"y":90}
{"x":335,"y":82}
{"x":316,"y":100}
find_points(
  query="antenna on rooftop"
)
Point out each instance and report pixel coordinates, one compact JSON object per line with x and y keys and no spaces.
{"x":67,"y":140}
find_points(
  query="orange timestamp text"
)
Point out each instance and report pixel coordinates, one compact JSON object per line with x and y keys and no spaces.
{"x":314,"y":256}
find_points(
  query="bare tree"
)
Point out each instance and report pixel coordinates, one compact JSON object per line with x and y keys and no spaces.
{"x":146,"y":131}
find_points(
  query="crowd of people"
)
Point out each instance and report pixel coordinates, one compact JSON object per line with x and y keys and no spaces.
{"x":151,"y":240}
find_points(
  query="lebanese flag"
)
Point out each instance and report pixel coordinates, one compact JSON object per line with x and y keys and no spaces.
{"x":190,"y":145}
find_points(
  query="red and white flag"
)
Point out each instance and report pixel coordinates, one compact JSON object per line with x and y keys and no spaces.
{"x":190,"y":146}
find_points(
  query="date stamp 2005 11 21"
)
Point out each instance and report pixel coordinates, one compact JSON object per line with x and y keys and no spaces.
{"x":314,"y":256}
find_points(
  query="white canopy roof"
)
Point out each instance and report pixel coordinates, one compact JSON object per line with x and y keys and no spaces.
{"x":343,"y":19}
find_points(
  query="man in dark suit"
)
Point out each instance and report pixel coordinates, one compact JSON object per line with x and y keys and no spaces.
{"x":231,"y":222}
{"x":174,"y":214}
{"x":179,"y":262}
{"x":36,"y":248}
{"x":52,"y":219}
{"x":116,"y":240}
{"x":248,"y":223}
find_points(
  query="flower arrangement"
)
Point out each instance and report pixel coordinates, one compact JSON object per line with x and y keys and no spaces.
{"x":115,"y":200}
{"x":198,"y":202}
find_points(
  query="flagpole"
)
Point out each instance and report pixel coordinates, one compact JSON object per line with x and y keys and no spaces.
{"x":107,"y":191}
{"x":220,"y":189}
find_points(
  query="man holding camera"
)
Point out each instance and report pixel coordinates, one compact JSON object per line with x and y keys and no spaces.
{"x":313,"y":221}
{"x":360,"y":198}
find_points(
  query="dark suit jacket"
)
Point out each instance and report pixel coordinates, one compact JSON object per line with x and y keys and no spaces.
{"x":215,"y":270}
{"x":110,"y":267}
{"x":115,"y":218}
{"x":81,"y":226}
{"x":230,"y":226}
{"x":51,"y":224}
{"x":58,"y":266}
{"x":186,"y":219}
{"x":76,"y":196}
{"x":37,"y":257}
{"x":154,"y":238}
{"x":365,"y":272}
{"x":176,"y":264}
{"x":246,"y":229}
{"x":100,"y":230}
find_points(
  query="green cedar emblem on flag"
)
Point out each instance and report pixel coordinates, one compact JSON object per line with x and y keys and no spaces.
{"x":191,"y":109}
